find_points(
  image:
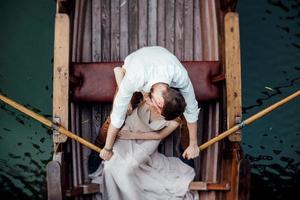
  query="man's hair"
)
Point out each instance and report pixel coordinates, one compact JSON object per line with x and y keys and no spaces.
{"x":174,"y":104}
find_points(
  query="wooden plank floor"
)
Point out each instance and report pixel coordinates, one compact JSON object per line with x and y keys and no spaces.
{"x":105,"y":30}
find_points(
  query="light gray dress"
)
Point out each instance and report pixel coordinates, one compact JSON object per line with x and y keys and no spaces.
{"x":137,"y":171}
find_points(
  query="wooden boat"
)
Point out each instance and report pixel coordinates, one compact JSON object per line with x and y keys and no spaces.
{"x":92,"y":36}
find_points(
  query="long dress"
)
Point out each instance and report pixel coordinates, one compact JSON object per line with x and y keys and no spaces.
{"x":137,"y":171}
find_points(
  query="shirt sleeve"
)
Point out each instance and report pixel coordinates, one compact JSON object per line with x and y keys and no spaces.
{"x":191,"y":111}
{"x":121,"y":101}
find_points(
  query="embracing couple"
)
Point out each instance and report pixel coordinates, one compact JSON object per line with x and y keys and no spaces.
{"x":133,"y":168}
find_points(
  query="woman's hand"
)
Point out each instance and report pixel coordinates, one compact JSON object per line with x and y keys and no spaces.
{"x":105,"y":154}
{"x":129,"y":109}
{"x":125,"y":135}
{"x":192,"y":151}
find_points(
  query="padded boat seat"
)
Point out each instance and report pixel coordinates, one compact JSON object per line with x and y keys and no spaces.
{"x":95,"y":82}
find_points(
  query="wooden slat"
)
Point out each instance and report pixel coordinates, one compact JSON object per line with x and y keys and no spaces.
{"x":188,"y":30}
{"x":209,"y":162}
{"x":79,"y":25}
{"x":200,"y":133}
{"x":115,"y":30}
{"x":179,"y":37}
{"x":96,"y":30}
{"x":210,"y":174}
{"x":74,"y":31}
{"x":214,"y":30}
{"x":73,"y":146}
{"x":161,"y":23}
{"x":85,"y":55}
{"x":197,"y":32}
{"x":77,"y":150}
{"x":87,"y":33}
{"x":106,"y":25}
{"x":209,"y":30}
{"x":143,"y":23}
{"x":204,"y":154}
{"x":206,"y":48}
{"x":215,"y":131}
{"x":77,"y":35}
{"x":233,"y":71}
{"x":86,"y":131}
{"x":61,"y":73}
{"x":170,"y":20}
{"x":123,"y":29}
{"x":133,"y":25}
{"x":152,"y":23}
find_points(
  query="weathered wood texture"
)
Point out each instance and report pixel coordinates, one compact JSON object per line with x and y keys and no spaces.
{"x":54,"y":186}
{"x":61,"y":73}
{"x":106,"y":30}
{"x":209,"y":165}
{"x":233,"y":72}
{"x":232,"y":152}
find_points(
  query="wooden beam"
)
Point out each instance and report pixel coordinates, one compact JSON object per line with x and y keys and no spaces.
{"x":61,"y":73}
{"x":207,"y":186}
{"x":83,"y":189}
{"x":54,"y":186}
{"x":233,"y":72}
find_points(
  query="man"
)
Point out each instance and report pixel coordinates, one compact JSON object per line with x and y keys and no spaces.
{"x":153,"y":70}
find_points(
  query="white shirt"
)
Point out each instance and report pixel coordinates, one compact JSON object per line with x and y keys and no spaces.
{"x":144,"y":68}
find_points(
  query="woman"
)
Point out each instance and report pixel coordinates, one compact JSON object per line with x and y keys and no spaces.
{"x":137,"y":171}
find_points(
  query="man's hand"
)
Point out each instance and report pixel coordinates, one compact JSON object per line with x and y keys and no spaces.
{"x":105,"y":154}
{"x":192,"y":151}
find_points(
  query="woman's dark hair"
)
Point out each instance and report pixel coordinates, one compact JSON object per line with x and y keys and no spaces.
{"x":174,"y":104}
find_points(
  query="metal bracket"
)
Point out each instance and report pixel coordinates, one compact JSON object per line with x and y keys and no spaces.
{"x":237,"y":136}
{"x":55,"y":125}
{"x":240,"y":123}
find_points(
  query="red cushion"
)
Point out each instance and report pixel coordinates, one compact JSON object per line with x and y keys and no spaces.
{"x":96,"y":82}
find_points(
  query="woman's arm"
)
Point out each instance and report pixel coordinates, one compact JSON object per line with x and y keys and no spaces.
{"x":153,"y":135}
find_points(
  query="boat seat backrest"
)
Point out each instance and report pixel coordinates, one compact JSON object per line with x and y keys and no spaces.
{"x":95,"y":82}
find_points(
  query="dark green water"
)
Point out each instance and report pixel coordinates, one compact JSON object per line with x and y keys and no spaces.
{"x":26,"y":49}
{"x":270,"y":49}
{"x":270,"y":44}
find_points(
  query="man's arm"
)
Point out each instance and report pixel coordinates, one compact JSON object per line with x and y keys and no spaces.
{"x":191,"y":115}
{"x":121,"y":101}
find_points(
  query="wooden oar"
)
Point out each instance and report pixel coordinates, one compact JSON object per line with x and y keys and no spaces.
{"x":249,"y":120}
{"x":221,"y":136}
{"x":49,"y":123}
